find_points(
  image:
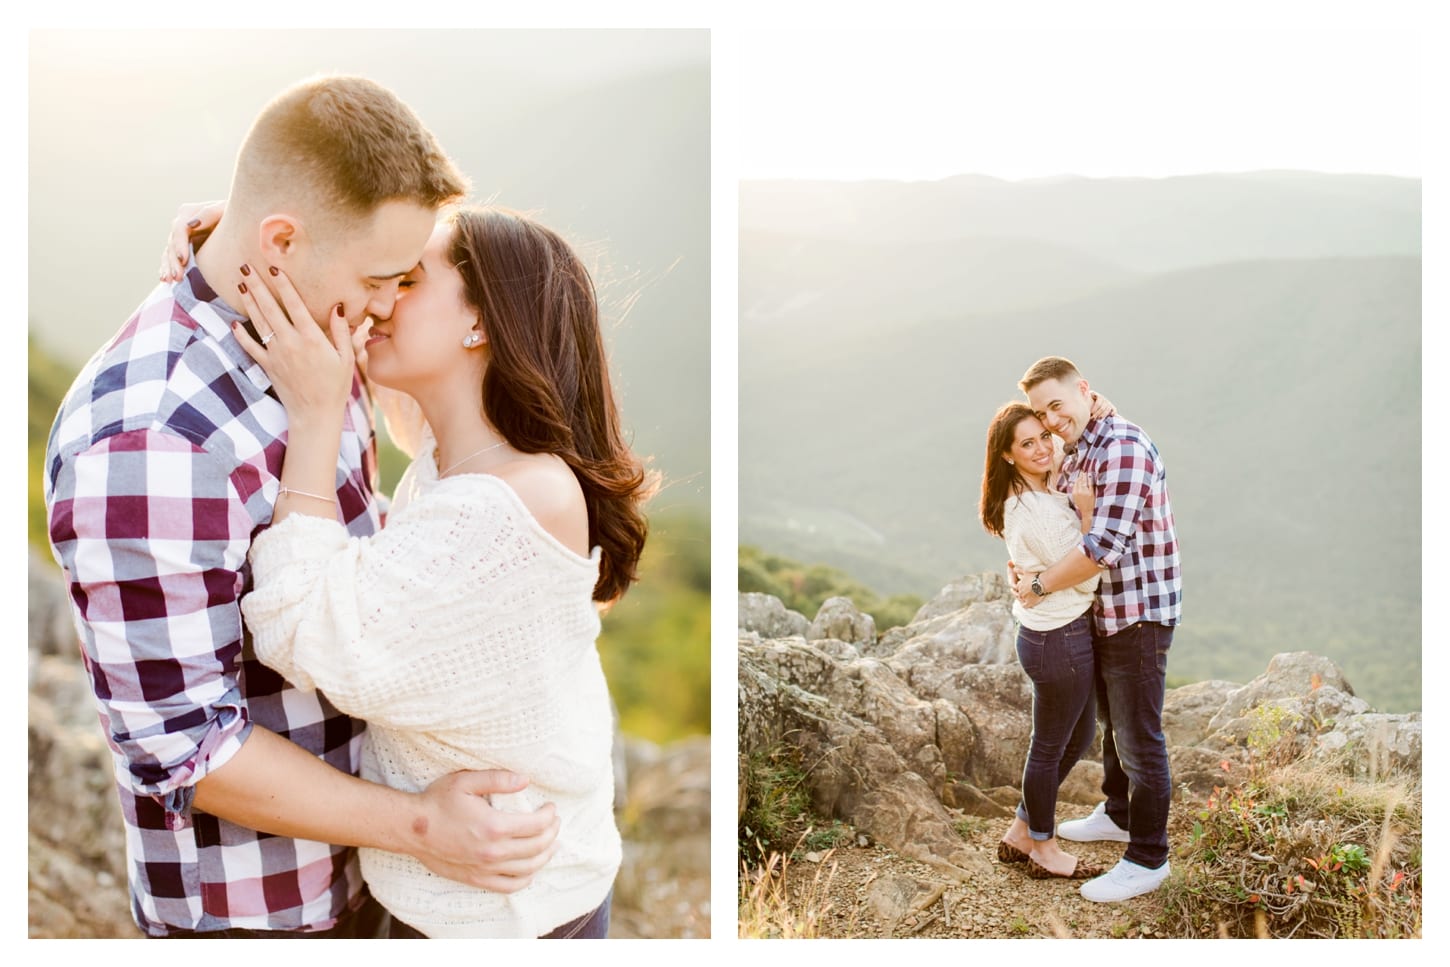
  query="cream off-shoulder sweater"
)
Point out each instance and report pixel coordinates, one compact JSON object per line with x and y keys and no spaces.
{"x":464,"y":634}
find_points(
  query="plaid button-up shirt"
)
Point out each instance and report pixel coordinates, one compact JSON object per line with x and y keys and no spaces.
{"x":1132,"y":533}
{"x":162,"y":465}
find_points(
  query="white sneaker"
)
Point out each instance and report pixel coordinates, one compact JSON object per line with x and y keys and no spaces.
{"x":1123,"y":882}
{"x":1093,"y":828}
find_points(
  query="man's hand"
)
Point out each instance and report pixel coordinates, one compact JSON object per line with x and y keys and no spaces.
{"x":1024,"y":592}
{"x":1022,"y":585}
{"x":462,"y":837}
{"x":275,"y":786}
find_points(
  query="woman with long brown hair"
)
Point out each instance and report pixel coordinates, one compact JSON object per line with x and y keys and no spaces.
{"x":464,"y":631}
{"x":1054,"y":638}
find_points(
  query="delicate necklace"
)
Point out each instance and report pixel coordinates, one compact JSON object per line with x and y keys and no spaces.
{"x":444,"y":473}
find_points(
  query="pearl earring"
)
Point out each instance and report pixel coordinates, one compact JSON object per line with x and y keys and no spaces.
{"x":471,"y":340}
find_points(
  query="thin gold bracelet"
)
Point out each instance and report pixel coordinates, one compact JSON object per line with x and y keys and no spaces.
{"x":303,"y":493}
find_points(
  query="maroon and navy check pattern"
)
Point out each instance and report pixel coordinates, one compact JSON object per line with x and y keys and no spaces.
{"x":1132,"y":533}
{"x":162,"y":465}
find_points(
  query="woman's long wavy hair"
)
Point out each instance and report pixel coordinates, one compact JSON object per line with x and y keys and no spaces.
{"x":1000,"y":479}
{"x":547,"y":387}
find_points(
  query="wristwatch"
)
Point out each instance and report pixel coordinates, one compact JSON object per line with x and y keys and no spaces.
{"x":1037,"y":586}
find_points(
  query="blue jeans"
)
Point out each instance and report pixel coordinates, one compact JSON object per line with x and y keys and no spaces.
{"x":1132,"y":670}
{"x":1060,"y":664}
{"x":591,"y":926}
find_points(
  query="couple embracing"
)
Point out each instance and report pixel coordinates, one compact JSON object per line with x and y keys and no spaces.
{"x":1095,"y":573}
{"x":317,"y":720}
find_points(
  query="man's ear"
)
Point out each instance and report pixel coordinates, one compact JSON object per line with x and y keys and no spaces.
{"x":277,"y":235}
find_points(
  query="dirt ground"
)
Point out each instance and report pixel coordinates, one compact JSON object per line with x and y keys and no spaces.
{"x":845,"y":889}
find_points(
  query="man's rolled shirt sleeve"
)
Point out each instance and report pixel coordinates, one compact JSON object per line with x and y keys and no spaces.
{"x":153,"y":536}
{"x":1124,"y":481}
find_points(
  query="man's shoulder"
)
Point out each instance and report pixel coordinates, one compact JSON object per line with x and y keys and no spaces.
{"x":143,"y":377}
{"x":1117,"y":429}
{"x":158,"y":328}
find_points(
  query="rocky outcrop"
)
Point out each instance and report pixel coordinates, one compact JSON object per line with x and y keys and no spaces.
{"x":663,"y":887}
{"x":896,"y":731}
{"x":77,"y":883}
{"x":77,"y":868}
{"x":838,"y":620}
{"x":765,"y":615}
{"x":1375,"y":745}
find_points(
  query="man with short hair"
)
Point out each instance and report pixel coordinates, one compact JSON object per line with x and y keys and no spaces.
{"x":240,"y":793}
{"x":1139,"y":602}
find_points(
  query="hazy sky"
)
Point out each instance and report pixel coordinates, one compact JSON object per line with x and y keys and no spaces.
{"x":523,"y":60}
{"x":924,"y":105}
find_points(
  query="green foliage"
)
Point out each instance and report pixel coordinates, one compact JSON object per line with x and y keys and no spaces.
{"x":804,"y":588}
{"x":1274,"y":737}
{"x":969,"y":826}
{"x":775,"y":799}
{"x":656,"y":641}
{"x":827,"y":837}
{"x":48,"y":379}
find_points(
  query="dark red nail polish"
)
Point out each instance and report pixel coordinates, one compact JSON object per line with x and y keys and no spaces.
{"x":246,"y":270}
{"x":241,"y":287}
{"x":339,"y":309}
{"x":272,"y":269}
{"x":194,"y":223}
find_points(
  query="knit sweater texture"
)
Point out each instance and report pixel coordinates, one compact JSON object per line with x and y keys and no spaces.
{"x":1041,"y":528}
{"x":464,"y":634}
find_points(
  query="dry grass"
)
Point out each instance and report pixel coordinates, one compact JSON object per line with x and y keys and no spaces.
{"x":1300,"y":851}
{"x":767,"y":910}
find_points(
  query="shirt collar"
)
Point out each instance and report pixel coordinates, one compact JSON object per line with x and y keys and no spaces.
{"x":1091,"y":434}
{"x":215,"y":317}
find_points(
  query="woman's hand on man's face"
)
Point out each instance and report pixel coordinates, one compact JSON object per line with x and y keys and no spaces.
{"x":312,"y":373}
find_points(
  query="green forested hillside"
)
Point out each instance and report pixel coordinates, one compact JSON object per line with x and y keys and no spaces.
{"x":804,"y":587}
